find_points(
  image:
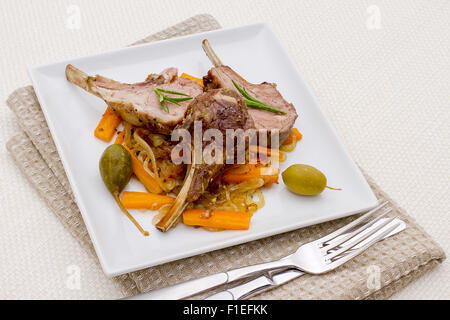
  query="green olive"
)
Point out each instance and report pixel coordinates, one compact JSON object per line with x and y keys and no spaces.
{"x":116,"y":168}
{"x":304,"y":179}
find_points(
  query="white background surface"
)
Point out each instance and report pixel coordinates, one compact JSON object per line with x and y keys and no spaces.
{"x":380,"y":70}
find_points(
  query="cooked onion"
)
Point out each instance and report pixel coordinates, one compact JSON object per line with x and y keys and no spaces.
{"x":248,"y":185}
{"x":289,"y":146}
{"x":234,"y":197}
{"x":127,"y":136}
{"x":157,"y":139}
{"x":240,"y":169}
{"x":151,"y":155}
{"x":244,"y":197}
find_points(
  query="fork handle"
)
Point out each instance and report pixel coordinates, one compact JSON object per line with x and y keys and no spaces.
{"x":191,"y":287}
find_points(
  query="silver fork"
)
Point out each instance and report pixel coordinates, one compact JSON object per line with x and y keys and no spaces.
{"x":316,"y":257}
{"x":276,"y":277}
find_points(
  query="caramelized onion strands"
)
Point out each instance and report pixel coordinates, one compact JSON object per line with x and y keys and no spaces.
{"x":234,"y":197}
{"x":245,"y":196}
{"x":151,"y":156}
{"x":128,"y":135}
{"x":146,"y":154}
{"x":180,"y":204}
{"x":288,"y":147}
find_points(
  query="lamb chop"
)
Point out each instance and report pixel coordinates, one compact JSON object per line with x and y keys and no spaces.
{"x":223,"y":76}
{"x":220,"y":109}
{"x":138,"y":103}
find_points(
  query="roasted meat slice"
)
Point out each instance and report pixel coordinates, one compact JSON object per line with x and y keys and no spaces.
{"x":221,"y":77}
{"x":219,"y":109}
{"x":138,"y":103}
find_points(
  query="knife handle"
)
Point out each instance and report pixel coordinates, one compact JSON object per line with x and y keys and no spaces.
{"x":184,"y":289}
{"x":256,"y":269}
{"x":256,"y":286}
{"x":191,"y":287}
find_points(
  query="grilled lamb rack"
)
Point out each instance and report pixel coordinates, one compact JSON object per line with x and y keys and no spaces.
{"x":220,"y":109}
{"x":222,"y":76}
{"x":138,"y":103}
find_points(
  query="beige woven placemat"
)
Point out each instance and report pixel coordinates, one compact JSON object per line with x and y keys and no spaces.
{"x":396,"y":262}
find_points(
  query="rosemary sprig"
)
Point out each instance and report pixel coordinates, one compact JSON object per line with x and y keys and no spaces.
{"x":254,"y":103}
{"x":174,"y":92}
{"x":163,"y":99}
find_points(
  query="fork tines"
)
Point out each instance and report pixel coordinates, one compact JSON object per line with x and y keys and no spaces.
{"x":336,"y":251}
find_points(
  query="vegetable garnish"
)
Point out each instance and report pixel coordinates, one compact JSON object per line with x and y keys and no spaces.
{"x":163,"y":98}
{"x":221,"y":219}
{"x":116,"y":170}
{"x":295,"y":135}
{"x":143,"y":176}
{"x":144,"y":200}
{"x":305,"y":180}
{"x":254,"y":103}
{"x":107,"y":126}
{"x":120,"y":137}
{"x":266,"y":152}
{"x":187,"y":76}
{"x":247,"y":172}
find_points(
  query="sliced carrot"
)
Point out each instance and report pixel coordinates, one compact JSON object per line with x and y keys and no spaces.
{"x":291,"y":138}
{"x":144,"y":200}
{"x":240,"y":169}
{"x":254,"y":171}
{"x":139,"y":171}
{"x":295,"y":134}
{"x":268,"y":152}
{"x":120,"y":137}
{"x":221,"y":219}
{"x":268,"y":179}
{"x":187,"y":76}
{"x":107,"y":126}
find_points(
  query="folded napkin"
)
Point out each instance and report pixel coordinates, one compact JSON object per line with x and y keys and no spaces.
{"x":379,"y":272}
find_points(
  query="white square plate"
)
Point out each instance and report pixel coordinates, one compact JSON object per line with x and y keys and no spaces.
{"x":255,"y":52}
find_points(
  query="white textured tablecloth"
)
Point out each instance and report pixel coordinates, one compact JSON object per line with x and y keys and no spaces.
{"x":380,"y":70}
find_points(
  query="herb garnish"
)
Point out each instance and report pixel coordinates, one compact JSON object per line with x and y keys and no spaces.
{"x":254,"y":103}
{"x":163,"y":98}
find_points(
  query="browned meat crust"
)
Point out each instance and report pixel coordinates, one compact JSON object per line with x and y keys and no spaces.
{"x":220,"y":109}
{"x":222,"y":76}
{"x":138,"y":103}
